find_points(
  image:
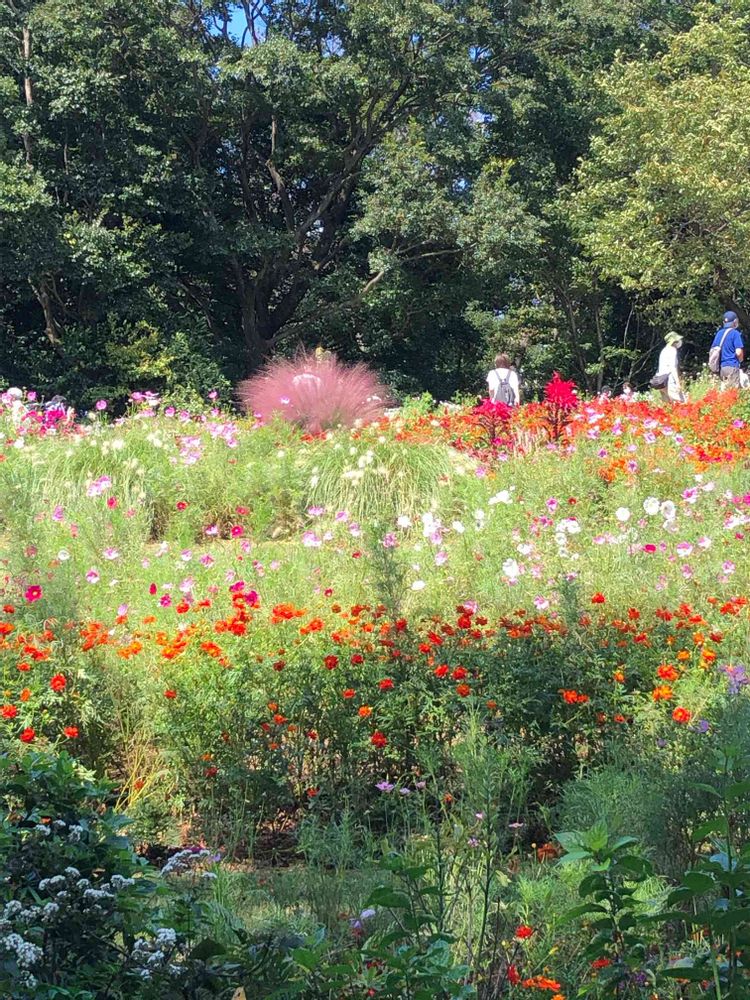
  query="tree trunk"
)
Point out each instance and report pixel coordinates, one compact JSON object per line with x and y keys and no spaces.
{"x":28,"y":88}
{"x":51,"y":327}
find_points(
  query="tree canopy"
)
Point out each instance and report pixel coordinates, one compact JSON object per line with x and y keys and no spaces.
{"x":187,"y":186}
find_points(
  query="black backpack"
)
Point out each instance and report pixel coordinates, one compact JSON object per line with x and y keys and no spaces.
{"x":504,"y":392}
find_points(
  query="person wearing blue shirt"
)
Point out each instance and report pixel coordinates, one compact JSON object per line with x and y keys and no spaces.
{"x":732,"y":349}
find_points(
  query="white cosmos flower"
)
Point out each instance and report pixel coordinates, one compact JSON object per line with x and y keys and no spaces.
{"x":622,"y":514}
{"x":651,"y":506}
{"x":502,"y":497}
{"x":418,"y":585}
{"x":668,"y":510}
{"x":511,"y":569}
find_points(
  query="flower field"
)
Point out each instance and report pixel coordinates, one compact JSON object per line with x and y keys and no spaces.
{"x":418,"y":650}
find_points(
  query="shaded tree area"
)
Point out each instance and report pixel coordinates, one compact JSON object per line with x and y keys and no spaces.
{"x":187,"y":187}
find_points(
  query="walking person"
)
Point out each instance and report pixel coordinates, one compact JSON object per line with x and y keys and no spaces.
{"x":727,"y":352}
{"x":503,"y":382}
{"x":667,"y":378}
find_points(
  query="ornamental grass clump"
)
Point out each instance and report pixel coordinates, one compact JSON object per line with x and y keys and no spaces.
{"x":317,"y":392}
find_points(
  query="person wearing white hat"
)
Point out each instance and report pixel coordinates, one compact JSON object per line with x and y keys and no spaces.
{"x":667,"y":378}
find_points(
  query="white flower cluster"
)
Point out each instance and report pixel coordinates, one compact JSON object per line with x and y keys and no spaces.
{"x":158,"y":954}
{"x":184,"y":861}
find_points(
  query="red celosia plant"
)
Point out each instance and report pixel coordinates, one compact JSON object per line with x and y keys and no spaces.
{"x":494,"y":418}
{"x":316,"y":392}
{"x":560,"y":400}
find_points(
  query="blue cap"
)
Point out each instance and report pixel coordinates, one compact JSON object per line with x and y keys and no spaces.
{"x":730,"y":317}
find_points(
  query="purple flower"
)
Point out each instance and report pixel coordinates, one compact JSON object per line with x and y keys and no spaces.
{"x":385,"y":786}
{"x":736,"y":675}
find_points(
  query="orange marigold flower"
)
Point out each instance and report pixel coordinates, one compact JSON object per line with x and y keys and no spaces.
{"x":541,"y":983}
{"x":618,"y":676}
{"x":363,"y":711}
{"x":682,"y":715}
{"x":663,"y":692}
{"x":463,"y":690}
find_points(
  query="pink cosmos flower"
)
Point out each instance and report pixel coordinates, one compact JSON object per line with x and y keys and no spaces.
{"x":100,"y":405}
{"x":93,"y":575}
{"x":33,"y":593}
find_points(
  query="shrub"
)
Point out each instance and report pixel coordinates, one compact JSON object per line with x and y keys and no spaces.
{"x":80,"y":915}
{"x":316,"y":392}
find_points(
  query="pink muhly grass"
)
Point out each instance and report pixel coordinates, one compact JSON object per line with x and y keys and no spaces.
{"x":316,"y":393}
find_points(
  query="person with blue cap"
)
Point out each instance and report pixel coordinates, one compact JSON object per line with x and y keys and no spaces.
{"x":727,"y":351}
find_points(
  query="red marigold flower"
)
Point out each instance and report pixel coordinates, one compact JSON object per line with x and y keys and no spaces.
{"x":442,"y":670}
{"x":667,"y":672}
{"x":379,"y":739}
{"x":524,"y":931}
{"x":571,"y":697}
{"x":349,"y":693}
{"x":331,"y":662}
{"x":357,"y":658}
{"x":9,"y":711}
{"x":71,"y":732}
{"x":28,"y":735}
{"x":211,"y":772}
{"x":460,"y":673}
{"x":463,"y":690}
{"x":598,"y":599}
{"x":181,"y":505}
{"x":170,"y":693}
{"x":682,"y":715}
{"x":58,"y":683}
{"x":601,"y":963}
{"x":33,"y":593}
{"x":386,"y":684}
{"x":514,"y":977}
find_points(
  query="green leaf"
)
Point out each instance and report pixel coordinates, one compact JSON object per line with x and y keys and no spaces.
{"x":390,"y":898}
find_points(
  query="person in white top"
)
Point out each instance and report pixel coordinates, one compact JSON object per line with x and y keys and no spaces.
{"x":671,"y":391}
{"x":503,"y":382}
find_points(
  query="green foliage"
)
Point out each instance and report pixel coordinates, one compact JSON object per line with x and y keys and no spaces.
{"x":660,"y":207}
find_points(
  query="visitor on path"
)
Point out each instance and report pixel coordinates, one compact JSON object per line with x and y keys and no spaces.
{"x":503,"y":382}
{"x":627,"y":395}
{"x":727,"y":351}
{"x":667,"y":378}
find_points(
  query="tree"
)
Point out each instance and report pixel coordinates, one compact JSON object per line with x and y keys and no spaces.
{"x":663,"y":206}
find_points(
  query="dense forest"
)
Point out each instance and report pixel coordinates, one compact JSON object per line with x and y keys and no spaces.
{"x":187,"y":187}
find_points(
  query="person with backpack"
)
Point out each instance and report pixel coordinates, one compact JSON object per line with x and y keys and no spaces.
{"x":503,"y":382}
{"x":667,"y":378}
{"x":727,"y":351}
